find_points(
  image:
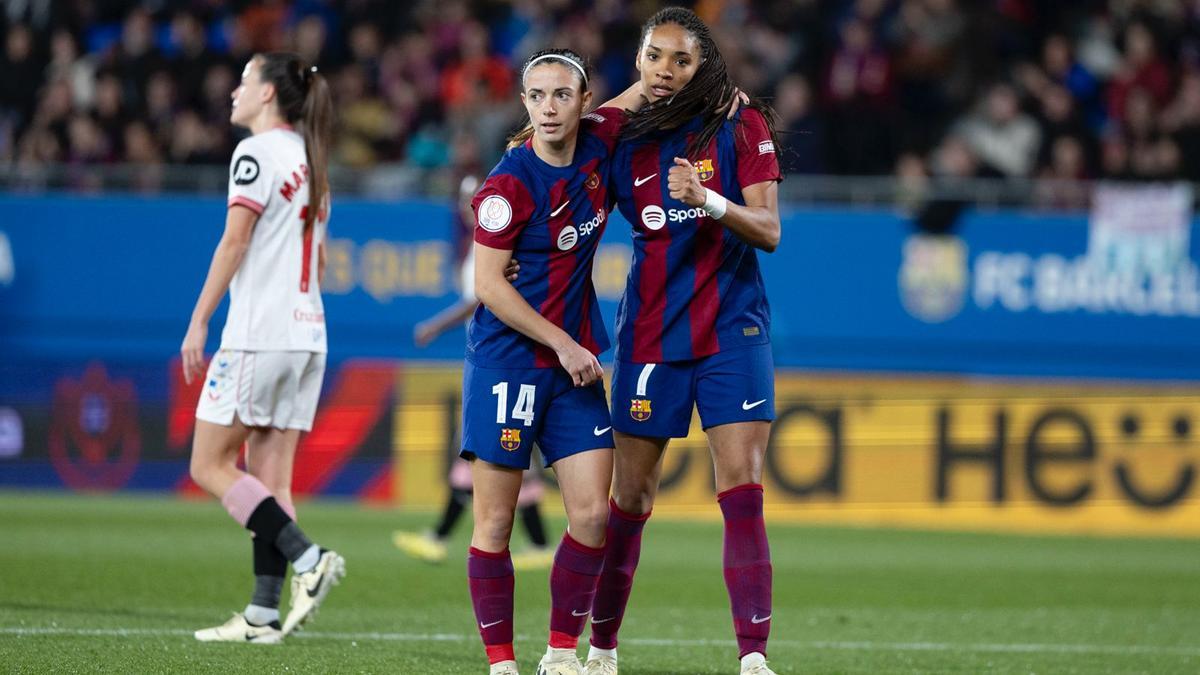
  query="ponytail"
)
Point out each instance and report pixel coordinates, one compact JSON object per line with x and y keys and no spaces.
{"x":518,"y":139}
{"x":303,"y":97}
{"x":318,"y":127}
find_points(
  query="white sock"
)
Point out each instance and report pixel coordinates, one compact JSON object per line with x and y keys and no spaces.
{"x":307,"y":560}
{"x":752,"y":659}
{"x":260,"y":616}
{"x":596,"y":652}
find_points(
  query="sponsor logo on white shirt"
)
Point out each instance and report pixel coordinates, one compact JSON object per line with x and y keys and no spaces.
{"x":245,"y":170}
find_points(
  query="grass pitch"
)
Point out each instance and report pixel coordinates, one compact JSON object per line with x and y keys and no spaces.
{"x":117,"y":584}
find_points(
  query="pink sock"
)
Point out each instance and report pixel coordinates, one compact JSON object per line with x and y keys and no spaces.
{"x":490,"y":576}
{"x":623,"y":547}
{"x":747,"y":566}
{"x":572,"y":588}
{"x":243,"y":497}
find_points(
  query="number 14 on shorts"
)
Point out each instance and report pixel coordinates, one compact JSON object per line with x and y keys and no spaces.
{"x":522,"y":409}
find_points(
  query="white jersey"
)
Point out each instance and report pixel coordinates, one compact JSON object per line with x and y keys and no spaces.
{"x":274,"y":298}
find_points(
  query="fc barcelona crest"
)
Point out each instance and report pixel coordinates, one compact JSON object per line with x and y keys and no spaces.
{"x":704,"y":169}
{"x":639,"y":409}
{"x":593,"y":181}
{"x":510,"y":439}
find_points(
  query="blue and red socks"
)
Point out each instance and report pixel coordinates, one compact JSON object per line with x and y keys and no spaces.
{"x":623,"y":547}
{"x":490,"y":577}
{"x":747,"y":561}
{"x":573,"y":581}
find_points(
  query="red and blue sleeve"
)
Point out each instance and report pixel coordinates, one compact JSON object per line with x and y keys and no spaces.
{"x":605,"y":124}
{"x":502,"y":208}
{"x":756,"y":151}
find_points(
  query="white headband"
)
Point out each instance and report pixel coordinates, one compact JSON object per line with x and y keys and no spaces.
{"x":558,"y":57}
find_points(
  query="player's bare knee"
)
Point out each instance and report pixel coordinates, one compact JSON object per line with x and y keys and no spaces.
{"x":201,"y":469}
{"x":588,"y":523}
{"x":740,"y":474}
{"x":493,"y":527}
{"x":634,"y":499}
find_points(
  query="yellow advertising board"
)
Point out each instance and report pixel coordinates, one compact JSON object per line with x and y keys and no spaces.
{"x":963,"y":454}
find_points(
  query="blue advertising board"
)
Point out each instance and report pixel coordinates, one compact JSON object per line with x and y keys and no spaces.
{"x":1013,"y":293}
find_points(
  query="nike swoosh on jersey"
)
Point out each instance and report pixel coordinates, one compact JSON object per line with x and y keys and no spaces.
{"x":489,"y":625}
{"x":598,"y":431}
{"x":637,"y":182}
{"x":754,"y":619}
{"x":557,"y":211}
{"x":746,"y":405}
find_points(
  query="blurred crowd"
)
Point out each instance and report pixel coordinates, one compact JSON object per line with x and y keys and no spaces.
{"x":916,"y":88}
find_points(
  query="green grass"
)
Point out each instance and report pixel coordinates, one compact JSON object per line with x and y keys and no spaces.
{"x":77,"y":570}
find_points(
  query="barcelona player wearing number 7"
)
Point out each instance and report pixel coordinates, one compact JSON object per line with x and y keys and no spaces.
{"x":262,"y":387}
{"x":693,"y":324}
{"x":531,"y":373}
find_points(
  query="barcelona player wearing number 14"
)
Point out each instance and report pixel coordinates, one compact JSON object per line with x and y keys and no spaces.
{"x":531,"y":373}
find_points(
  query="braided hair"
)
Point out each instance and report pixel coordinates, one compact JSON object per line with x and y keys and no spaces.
{"x":566,"y":57}
{"x":709,"y":95}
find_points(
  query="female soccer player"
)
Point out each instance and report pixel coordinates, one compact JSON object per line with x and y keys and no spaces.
{"x":531,"y":374}
{"x":701,"y":192}
{"x":430,"y":546}
{"x":262,"y":386}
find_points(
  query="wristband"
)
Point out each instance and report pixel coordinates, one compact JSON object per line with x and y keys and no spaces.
{"x":715,"y":204}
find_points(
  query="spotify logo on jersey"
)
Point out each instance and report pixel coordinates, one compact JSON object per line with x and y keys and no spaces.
{"x":653,"y":217}
{"x":567,"y":238}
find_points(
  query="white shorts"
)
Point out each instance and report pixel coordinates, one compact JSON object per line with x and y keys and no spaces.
{"x":264,"y":389}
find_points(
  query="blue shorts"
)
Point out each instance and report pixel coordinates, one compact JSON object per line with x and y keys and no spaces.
{"x":507,"y":410}
{"x":656,"y":399}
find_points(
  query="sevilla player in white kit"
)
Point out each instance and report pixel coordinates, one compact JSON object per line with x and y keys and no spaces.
{"x":262,"y":387}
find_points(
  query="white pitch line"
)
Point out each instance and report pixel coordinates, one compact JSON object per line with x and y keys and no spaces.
{"x":1000,"y":648}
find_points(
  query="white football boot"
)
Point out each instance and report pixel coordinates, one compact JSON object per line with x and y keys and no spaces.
{"x":755,"y":664}
{"x":504,"y":668}
{"x":600,"y":665}
{"x":309,"y":589}
{"x":238,"y":629}
{"x":559,"y":662}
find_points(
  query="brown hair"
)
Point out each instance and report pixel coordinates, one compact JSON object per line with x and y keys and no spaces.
{"x":574,"y":62}
{"x":303,"y":97}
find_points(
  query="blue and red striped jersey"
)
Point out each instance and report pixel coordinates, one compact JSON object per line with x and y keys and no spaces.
{"x":694,"y":288}
{"x":551,"y":218}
